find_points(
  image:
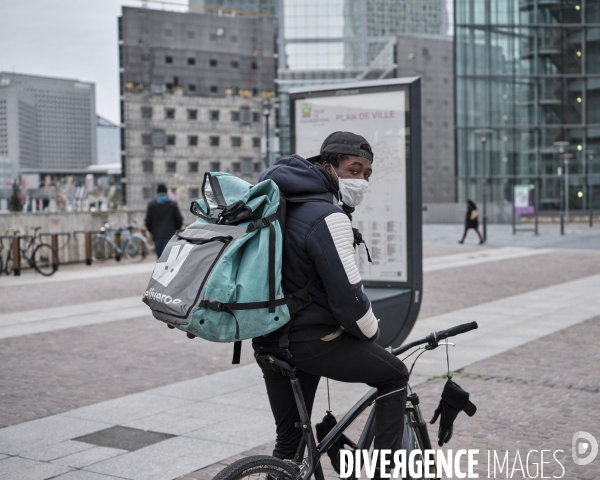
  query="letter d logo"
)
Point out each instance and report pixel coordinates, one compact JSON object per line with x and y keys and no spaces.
{"x":165,"y":272}
{"x":588,"y":447}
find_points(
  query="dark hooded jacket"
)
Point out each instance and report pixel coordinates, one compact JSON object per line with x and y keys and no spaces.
{"x":318,"y":241}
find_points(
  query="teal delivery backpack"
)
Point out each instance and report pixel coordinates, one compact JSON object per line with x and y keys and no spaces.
{"x":220,"y":278}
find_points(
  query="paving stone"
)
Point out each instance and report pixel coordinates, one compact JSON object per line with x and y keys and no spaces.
{"x":44,"y":432}
{"x":169,"y":423}
{"x":124,"y":438}
{"x":249,"y":429}
{"x":166,"y":460}
{"x":16,"y":468}
{"x":52,"y":452}
{"x":89,"y":457}
{"x":126,"y":409}
{"x":83,"y":475}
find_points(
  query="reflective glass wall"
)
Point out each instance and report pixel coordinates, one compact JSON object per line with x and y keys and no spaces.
{"x":529,"y":71}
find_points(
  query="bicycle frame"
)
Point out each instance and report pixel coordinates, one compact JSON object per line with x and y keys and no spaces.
{"x":311,"y":465}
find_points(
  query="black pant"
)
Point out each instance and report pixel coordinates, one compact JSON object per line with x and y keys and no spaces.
{"x":346,"y":359}
{"x":159,"y":245}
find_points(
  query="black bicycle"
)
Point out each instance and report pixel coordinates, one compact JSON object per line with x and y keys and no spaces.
{"x":40,"y":256}
{"x":415,"y":435}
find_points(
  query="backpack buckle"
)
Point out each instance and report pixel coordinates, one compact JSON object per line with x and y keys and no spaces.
{"x":214,"y":306}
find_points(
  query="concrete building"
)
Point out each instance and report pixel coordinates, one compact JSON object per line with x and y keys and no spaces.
{"x":47,"y":125}
{"x":108,"y":141}
{"x":193,"y":87}
{"x":431,"y":58}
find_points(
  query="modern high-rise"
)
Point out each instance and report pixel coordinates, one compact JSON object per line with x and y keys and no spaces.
{"x":338,"y":41}
{"x":528,"y":79}
{"x":47,"y":125}
{"x":108,"y":141}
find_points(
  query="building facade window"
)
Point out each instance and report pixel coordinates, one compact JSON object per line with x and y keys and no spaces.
{"x":192,"y":114}
{"x":256,"y":116}
{"x":236,"y":141}
{"x":214,"y":115}
{"x":193,"y":140}
{"x":146,"y":139}
{"x":235,"y":116}
{"x":146,"y":112}
{"x":194,"y":192}
{"x":215,"y":166}
{"x":256,"y":142}
{"x":257,"y":167}
{"x":214,"y":141}
{"x":147,"y":166}
{"x":171,"y":167}
{"x":168,"y":32}
{"x":247,"y":166}
{"x":193,"y":167}
{"x":234,"y":64}
{"x":245,"y":117}
{"x":171,"y":139}
{"x":159,"y":139}
{"x":235,"y":167}
{"x":191,"y":87}
{"x":169,"y":59}
{"x":191,"y":61}
{"x":191,"y":35}
{"x":213,"y":62}
{"x":169,"y":113}
{"x":214,"y":89}
{"x":146,"y":193}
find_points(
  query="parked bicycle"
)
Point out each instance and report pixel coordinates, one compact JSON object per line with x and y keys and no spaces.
{"x":134,"y":246}
{"x":416,"y":436}
{"x":39,"y":256}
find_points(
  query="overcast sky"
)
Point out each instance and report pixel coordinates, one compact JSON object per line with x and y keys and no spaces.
{"x":66,"y":38}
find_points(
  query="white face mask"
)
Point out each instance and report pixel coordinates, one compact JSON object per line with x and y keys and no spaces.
{"x":352,"y":190}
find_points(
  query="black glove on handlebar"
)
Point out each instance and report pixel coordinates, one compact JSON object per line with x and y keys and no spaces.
{"x":454,"y":399}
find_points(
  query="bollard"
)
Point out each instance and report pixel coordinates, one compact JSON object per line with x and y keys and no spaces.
{"x":54,"y":242}
{"x":88,"y":248}
{"x":16,"y":256}
{"x":118,"y":243}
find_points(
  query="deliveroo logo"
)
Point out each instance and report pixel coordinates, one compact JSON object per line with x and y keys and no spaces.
{"x":165,"y":272}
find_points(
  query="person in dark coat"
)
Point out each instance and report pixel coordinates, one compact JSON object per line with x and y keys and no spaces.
{"x":472,"y":221}
{"x":163,"y":219}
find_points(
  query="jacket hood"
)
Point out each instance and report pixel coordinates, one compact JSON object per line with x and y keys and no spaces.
{"x":295,"y":175}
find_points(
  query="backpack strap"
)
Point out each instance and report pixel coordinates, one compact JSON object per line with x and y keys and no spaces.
{"x":313,"y":197}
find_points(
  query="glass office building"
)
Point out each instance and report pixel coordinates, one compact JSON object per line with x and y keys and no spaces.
{"x":529,"y":72}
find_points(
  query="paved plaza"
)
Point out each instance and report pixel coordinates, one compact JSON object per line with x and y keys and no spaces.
{"x":93,"y":388}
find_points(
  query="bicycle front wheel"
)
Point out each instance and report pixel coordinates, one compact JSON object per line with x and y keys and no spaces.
{"x":258,"y":467}
{"x":45,"y":259}
{"x":135,"y":249}
{"x":101,"y":249}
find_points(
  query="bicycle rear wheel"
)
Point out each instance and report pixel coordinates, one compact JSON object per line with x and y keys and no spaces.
{"x":8,"y":268}
{"x":135,"y":249}
{"x":101,"y":249}
{"x":258,"y":467}
{"x":44,"y":259}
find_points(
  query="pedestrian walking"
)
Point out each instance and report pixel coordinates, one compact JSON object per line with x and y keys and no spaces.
{"x":163,"y":219}
{"x":472,"y":221}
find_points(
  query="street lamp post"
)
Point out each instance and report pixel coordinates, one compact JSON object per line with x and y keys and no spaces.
{"x":266,"y":114}
{"x":484,"y":132}
{"x":589,"y":185}
{"x":561,"y":145}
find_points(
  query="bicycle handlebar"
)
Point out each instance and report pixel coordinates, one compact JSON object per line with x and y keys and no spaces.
{"x":433,"y":338}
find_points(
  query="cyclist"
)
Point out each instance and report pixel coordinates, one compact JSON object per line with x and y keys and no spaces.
{"x":163,"y":219}
{"x":334,"y":335}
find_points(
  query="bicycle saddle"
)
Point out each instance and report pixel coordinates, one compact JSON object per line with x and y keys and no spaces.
{"x":270,"y":361}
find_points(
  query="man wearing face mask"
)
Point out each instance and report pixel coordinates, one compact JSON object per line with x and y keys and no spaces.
{"x":334,"y":336}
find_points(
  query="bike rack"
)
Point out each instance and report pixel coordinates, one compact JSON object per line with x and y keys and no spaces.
{"x":54,"y":244}
{"x":16,"y":252}
{"x":88,"y":243}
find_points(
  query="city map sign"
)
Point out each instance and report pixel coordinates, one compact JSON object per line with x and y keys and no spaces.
{"x":387,"y":114}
